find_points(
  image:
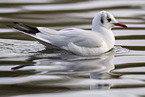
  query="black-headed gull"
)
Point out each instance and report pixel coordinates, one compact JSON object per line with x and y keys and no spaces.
{"x":77,"y":41}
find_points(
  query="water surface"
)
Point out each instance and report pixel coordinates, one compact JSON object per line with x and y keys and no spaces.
{"x":27,"y":69}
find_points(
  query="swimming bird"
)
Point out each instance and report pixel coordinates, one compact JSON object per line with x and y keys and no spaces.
{"x":78,"y":41}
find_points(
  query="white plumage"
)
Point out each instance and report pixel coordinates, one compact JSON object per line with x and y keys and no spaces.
{"x":78,"y":41}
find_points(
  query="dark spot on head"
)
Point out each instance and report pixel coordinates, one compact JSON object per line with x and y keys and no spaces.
{"x":102,"y":21}
{"x":109,"y":19}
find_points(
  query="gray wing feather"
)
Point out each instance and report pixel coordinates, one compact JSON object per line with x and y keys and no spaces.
{"x":79,"y":37}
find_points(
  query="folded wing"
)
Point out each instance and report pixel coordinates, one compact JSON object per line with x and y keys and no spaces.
{"x":78,"y":41}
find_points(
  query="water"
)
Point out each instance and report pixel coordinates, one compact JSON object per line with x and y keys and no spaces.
{"x":28,"y":70}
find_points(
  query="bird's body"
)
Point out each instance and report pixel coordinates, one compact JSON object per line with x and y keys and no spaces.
{"x":77,"y":41}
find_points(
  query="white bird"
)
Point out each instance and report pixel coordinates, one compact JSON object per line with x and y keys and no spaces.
{"x":77,"y":41}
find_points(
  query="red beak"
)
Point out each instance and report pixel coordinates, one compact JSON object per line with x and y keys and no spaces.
{"x":120,"y":24}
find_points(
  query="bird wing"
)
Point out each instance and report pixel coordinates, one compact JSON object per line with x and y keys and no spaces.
{"x":71,"y":39}
{"x":79,"y":37}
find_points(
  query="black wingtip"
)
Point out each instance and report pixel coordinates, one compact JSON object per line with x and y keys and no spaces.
{"x":18,"y":28}
{"x":24,"y":28}
{"x":15,"y":22}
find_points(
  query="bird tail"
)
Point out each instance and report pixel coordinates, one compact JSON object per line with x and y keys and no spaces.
{"x":32,"y":31}
{"x":25,"y":28}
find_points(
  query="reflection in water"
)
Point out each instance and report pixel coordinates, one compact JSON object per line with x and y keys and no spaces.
{"x":65,"y":64}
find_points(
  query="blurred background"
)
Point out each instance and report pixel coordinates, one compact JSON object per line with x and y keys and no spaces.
{"x":27,"y":69}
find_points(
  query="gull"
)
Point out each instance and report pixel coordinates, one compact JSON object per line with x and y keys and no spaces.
{"x":81,"y":42}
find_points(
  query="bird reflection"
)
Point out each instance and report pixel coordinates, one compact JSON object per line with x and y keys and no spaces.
{"x":64,"y":63}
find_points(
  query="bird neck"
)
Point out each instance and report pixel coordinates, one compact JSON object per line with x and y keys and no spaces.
{"x":99,"y":29}
{"x":106,"y":34}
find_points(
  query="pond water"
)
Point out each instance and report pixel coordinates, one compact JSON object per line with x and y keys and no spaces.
{"x":27,"y":69}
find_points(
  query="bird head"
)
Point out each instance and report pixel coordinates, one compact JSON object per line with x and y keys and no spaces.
{"x":107,"y":20}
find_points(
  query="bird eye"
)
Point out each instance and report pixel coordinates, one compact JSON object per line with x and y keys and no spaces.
{"x":109,"y":19}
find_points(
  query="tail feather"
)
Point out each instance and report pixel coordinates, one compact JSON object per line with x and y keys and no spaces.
{"x":31,"y":31}
{"x":18,"y":28}
{"x":25,"y":28}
